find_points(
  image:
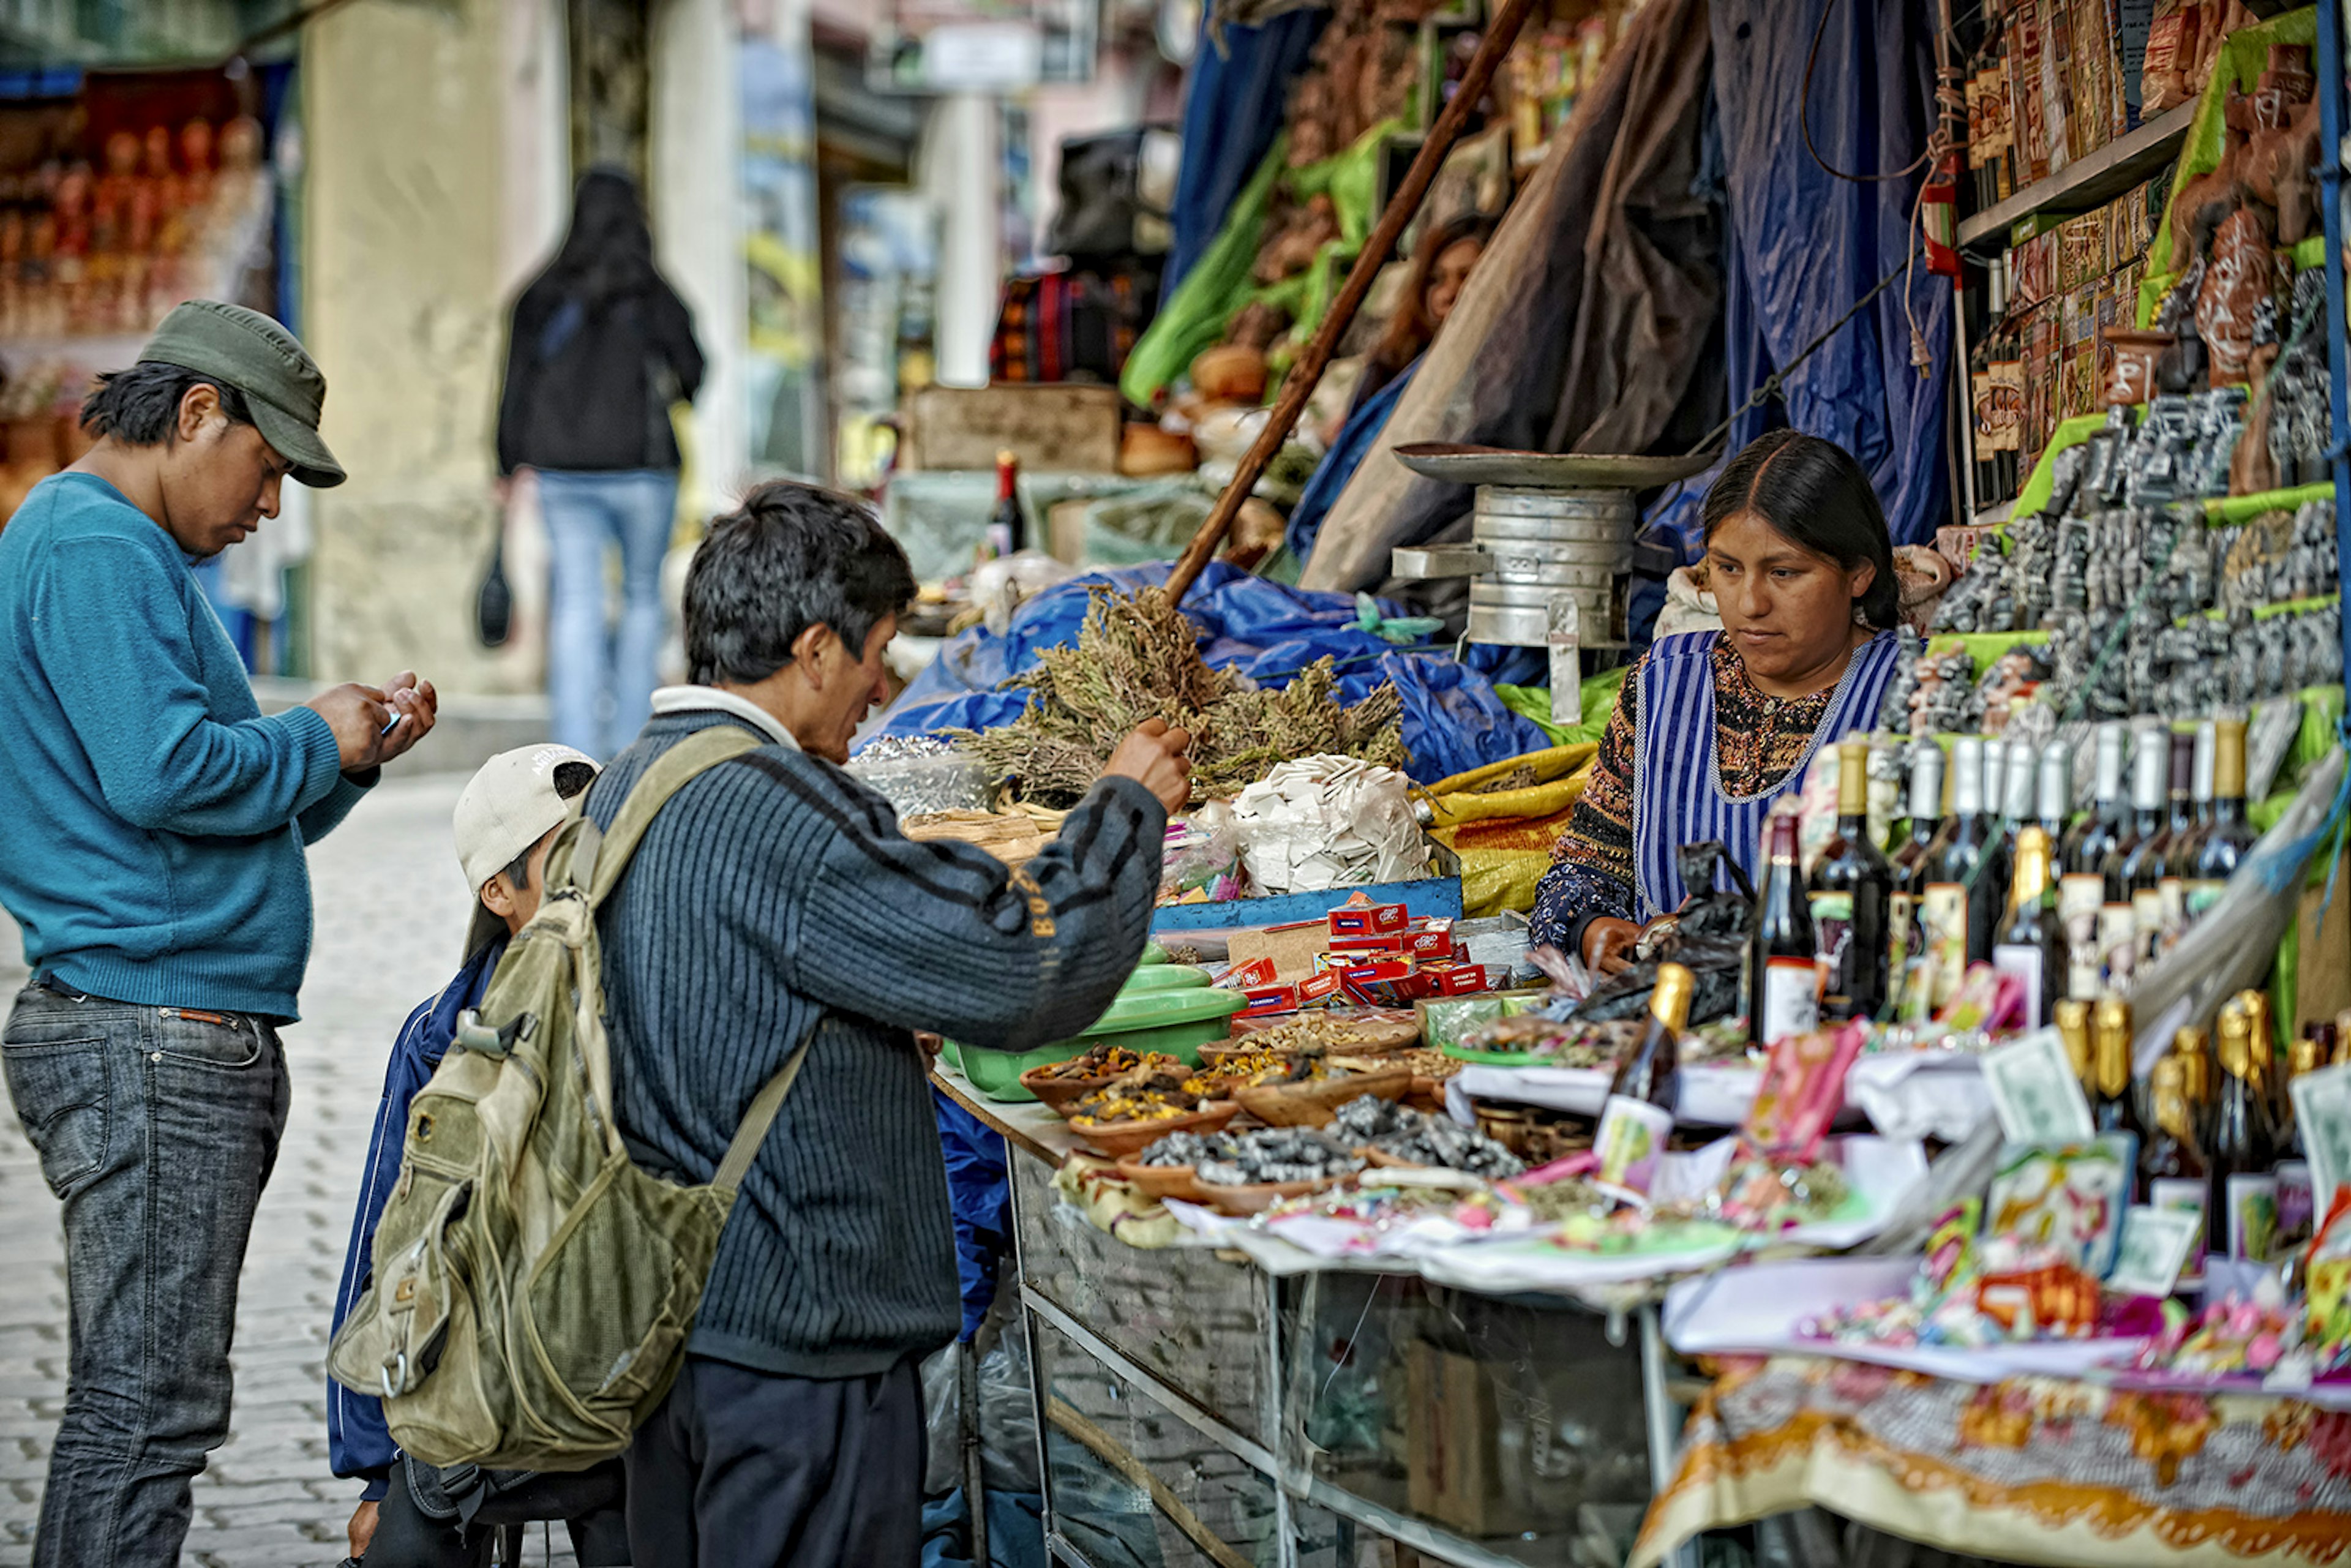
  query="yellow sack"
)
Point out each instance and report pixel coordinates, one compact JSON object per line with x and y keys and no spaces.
{"x":1503,"y":819}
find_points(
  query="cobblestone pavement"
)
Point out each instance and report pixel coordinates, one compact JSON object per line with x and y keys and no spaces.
{"x":390,"y":916}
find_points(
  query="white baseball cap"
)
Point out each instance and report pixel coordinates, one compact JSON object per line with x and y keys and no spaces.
{"x":515,"y":800}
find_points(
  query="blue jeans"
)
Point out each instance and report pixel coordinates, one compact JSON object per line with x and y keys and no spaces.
{"x":601,"y":688}
{"x":158,"y":1127}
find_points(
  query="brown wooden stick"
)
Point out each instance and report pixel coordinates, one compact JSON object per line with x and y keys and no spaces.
{"x":1307,"y":373}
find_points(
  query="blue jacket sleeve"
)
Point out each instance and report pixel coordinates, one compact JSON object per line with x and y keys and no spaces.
{"x":328,"y":815}
{"x":358,"y":1443}
{"x":121,"y":658}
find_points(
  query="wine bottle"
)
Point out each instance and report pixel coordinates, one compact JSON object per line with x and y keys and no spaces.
{"x":2143,"y":870}
{"x":2118,"y":916}
{"x":2032,"y":947}
{"x":1008,"y":526}
{"x":2241,"y":1141}
{"x":1908,"y":970}
{"x":2114,"y":1099}
{"x":1853,"y":890}
{"x":1637,"y":1119}
{"x":1782,"y":955}
{"x":2081,"y":883}
{"x":1961,"y":899}
{"x":2018,"y":804}
{"x":2327,"y":1037}
{"x":2192,"y":1048}
{"x":2228,"y":836}
{"x":2301,"y":1057}
{"x":2262,"y":1058}
{"x":1995,"y":780}
{"x":2172,"y":1171}
{"x":2072,"y":1021}
{"x":2054,"y":798}
{"x":2177,"y":843}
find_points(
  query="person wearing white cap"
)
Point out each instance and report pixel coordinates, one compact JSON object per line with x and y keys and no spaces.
{"x":506,"y":819}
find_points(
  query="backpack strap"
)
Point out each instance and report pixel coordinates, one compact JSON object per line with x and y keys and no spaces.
{"x":759,"y":1119}
{"x":598,"y":860}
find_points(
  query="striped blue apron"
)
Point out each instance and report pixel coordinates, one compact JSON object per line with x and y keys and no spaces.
{"x":1677,"y":795}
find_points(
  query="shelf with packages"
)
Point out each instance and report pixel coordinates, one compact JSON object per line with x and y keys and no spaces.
{"x":2097,"y":177}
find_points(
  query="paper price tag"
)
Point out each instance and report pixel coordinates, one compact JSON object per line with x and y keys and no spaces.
{"x":2155,"y":1248}
{"x":2321,"y":1110}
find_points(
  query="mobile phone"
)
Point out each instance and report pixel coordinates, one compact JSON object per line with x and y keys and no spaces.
{"x":388,"y":728}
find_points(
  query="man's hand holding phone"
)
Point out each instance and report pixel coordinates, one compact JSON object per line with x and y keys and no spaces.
{"x":373,"y":724}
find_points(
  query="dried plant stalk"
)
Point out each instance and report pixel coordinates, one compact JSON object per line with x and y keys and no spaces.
{"x":1136,"y":658}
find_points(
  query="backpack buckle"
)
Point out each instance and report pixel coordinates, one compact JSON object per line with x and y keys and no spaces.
{"x":482,"y":1041}
{"x":396,"y":1383}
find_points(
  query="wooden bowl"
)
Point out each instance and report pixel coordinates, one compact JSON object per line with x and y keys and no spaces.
{"x":1382,"y":1159}
{"x":1314,"y":1103}
{"x":1425,"y":1094}
{"x":1124,"y":1140}
{"x":1161,"y":1181}
{"x":1256,"y":1198}
{"x":1057,"y":1094}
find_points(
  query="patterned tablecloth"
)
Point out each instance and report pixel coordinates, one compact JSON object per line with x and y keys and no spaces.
{"x":2032,"y":1470}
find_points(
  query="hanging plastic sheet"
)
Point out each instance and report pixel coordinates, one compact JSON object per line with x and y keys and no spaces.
{"x":1590,"y":322}
{"x":1357,"y":439}
{"x":1452,"y":719}
{"x":1806,"y":244}
{"x":1233,"y":105}
{"x":982,"y":1204}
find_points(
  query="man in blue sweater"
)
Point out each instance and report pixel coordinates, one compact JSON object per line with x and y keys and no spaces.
{"x":151,"y":830}
{"x":774,"y":901}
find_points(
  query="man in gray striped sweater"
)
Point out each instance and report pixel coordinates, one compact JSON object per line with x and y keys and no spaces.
{"x":774,"y":901}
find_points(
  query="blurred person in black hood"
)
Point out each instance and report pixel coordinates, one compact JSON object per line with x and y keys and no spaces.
{"x":599,"y":350}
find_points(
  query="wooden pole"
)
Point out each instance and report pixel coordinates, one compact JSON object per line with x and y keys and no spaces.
{"x":1307,"y":372}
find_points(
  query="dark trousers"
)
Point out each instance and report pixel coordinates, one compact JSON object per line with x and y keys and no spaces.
{"x":158,"y":1128}
{"x":429,"y":1532}
{"x":740,"y":1469}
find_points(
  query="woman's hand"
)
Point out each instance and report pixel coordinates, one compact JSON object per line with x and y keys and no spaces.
{"x":1608,"y":944}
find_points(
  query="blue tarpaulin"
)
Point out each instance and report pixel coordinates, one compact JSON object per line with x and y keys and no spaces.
{"x":1452,"y":719}
{"x":1233,"y":105}
{"x":1806,"y":244}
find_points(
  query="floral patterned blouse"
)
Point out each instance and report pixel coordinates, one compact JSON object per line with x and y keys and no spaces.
{"x":1757,"y":737}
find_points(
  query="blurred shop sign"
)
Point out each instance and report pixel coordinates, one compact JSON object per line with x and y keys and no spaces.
{"x":982,"y":45}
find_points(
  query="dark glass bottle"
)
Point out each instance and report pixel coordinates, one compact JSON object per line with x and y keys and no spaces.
{"x":2073,"y":1022}
{"x":1651,"y":1071}
{"x":2032,"y":945}
{"x":1908,"y":970}
{"x":2172,"y":1171}
{"x":2018,"y":802}
{"x":2143,"y":868}
{"x":2194,"y":1050}
{"x":1782,"y":955}
{"x":2240,"y":1129}
{"x":2186,"y":836}
{"x":2228,"y":836}
{"x":1853,"y":889}
{"x":1965,"y":878}
{"x":1008,"y":526}
{"x":2114,"y":1096}
{"x":2081,"y":859}
{"x":2118,"y":939}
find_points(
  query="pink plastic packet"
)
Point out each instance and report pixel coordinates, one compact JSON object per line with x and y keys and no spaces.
{"x":1802,"y":1092}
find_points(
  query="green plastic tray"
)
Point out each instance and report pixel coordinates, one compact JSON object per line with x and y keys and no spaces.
{"x":1162,"y":977}
{"x":1179,"y":1022}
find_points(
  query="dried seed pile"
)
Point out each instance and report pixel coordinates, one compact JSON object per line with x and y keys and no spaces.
{"x":1137,"y":657}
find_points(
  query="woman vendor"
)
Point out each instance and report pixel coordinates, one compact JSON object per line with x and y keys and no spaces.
{"x":1712,"y":726}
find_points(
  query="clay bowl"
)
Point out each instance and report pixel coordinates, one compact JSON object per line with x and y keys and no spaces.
{"x":1425,"y":1094}
{"x":1256,"y":1198}
{"x":1160,"y":1181}
{"x":1385,"y":1161}
{"x":1314,"y":1103}
{"x":1124,"y":1140}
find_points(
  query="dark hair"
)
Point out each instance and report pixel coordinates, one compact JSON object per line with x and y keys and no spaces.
{"x":140,"y":406}
{"x":1814,"y":493}
{"x":792,"y":556}
{"x":1410,"y":330}
{"x":571,"y":780}
{"x":608,"y":251}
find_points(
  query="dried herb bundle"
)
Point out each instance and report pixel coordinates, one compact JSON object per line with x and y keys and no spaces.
{"x":1136,"y":658}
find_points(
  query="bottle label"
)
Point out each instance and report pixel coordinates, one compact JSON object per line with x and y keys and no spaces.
{"x":2253,"y":1215}
{"x":2171,"y":899}
{"x":2184,"y":1194}
{"x":1791,"y":999}
{"x":2297,"y":1209}
{"x":1630,"y":1142}
{"x":1832,"y":933}
{"x":2147,"y":917}
{"x":2197,"y":898}
{"x":2025,"y":963}
{"x":2079,"y":899}
{"x":2117,"y":947}
{"x":1943,"y":912}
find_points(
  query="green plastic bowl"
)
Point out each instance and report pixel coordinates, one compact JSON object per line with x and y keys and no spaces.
{"x":1177,"y":1023}
{"x":1162,"y":977}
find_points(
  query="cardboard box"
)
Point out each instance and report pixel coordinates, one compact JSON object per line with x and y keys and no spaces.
{"x":1320,"y":990}
{"x":1265,"y":1000}
{"x":1368,"y":919}
{"x":1253,"y":975}
{"x":1432,"y":941}
{"x":1459,"y":980}
{"x":1452,"y":1426}
{"x":1054,"y":427}
{"x":1371,"y":943}
{"x":1292,"y":948}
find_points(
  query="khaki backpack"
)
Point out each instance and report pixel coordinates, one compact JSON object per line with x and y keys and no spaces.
{"x":532,"y":1286}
